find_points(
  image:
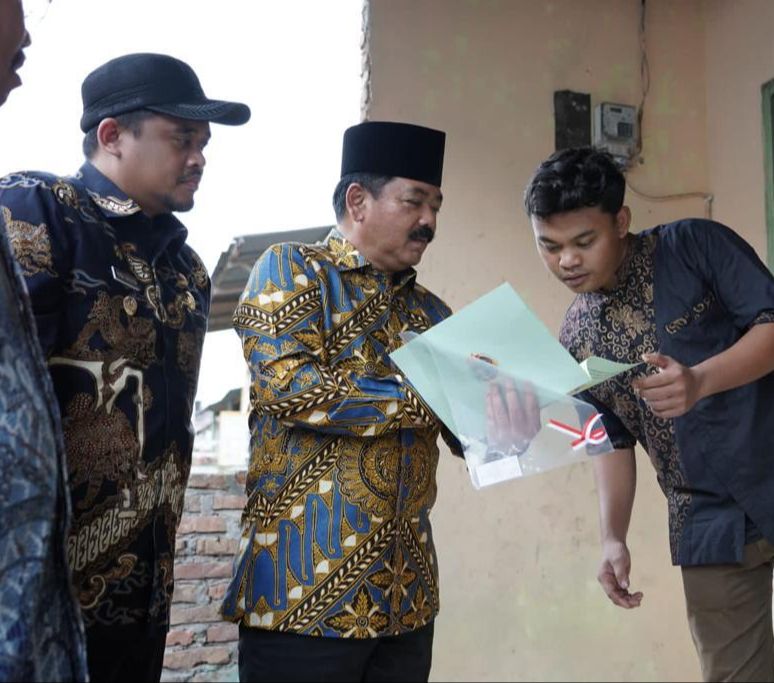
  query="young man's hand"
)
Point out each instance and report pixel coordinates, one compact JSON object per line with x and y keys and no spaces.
{"x":672,"y":391}
{"x":613,"y":575}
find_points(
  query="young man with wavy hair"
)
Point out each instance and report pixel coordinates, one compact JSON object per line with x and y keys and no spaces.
{"x":692,"y":300}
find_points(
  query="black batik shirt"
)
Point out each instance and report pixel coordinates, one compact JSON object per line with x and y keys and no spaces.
{"x":121,"y":306}
{"x":690,"y":290}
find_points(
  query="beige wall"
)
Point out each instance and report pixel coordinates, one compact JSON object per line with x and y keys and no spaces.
{"x":740,"y":58}
{"x":519,"y":598}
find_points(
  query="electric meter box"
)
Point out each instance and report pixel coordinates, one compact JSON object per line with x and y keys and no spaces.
{"x":615,"y":129}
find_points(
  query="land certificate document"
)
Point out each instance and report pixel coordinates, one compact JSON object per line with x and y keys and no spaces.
{"x":500,"y":327}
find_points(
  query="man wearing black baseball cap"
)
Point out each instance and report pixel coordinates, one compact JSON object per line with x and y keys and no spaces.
{"x":336,"y":577}
{"x":121,"y":304}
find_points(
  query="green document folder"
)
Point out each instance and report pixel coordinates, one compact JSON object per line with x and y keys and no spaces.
{"x":501,"y":326}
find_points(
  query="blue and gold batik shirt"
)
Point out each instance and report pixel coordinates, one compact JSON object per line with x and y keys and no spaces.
{"x":121,"y":306}
{"x":690,"y":290}
{"x":336,"y":537}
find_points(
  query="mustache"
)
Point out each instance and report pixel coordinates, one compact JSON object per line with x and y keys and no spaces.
{"x":196,"y":175}
{"x":422,"y":233}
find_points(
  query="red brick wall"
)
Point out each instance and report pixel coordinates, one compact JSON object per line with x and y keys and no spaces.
{"x":200,"y":646}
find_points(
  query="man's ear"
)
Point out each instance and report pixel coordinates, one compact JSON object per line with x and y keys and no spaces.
{"x":623,"y":220}
{"x":355,"y":200}
{"x":109,"y":136}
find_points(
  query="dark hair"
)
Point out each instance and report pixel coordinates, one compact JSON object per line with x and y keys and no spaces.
{"x":575,"y":178}
{"x":131,"y":120}
{"x":371,"y":182}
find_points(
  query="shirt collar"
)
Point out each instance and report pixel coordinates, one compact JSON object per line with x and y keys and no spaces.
{"x":346,"y":256}
{"x":167,"y":232}
{"x":624,"y":272}
{"x":112,"y":201}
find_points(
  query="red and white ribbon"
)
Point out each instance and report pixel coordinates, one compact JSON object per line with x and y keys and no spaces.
{"x":586,"y":436}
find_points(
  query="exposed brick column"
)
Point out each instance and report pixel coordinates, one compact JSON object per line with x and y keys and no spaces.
{"x":200,"y":646}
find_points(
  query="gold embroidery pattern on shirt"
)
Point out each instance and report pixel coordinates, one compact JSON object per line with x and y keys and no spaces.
{"x":361,"y":618}
{"x":121,"y":207}
{"x":421,"y":612}
{"x":693,"y":315}
{"x":189,"y":350}
{"x":337,"y":251}
{"x":415,"y":319}
{"x":311,"y":397}
{"x":336,"y":584}
{"x":274,"y":456}
{"x":174,"y":313}
{"x":30,"y":243}
{"x":199,"y":271}
{"x":369,"y":476}
{"x":177,"y":311}
{"x":363,"y":281}
{"x":189,"y":345}
{"x":66,"y":194}
{"x":418,"y":551}
{"x":415,"y":409}
{"x":99,"y":537}
{"x":102,"y":443}
{"x":135,"y":339}
{"x":353,"y":328}
{"x":390,"y":335}
{"x":97,"y":584}
{"x":302,"y":479}
{"x":297,"y":308}
{"x":394,"y":580}
{"x":153,"y":297}
{"x":313,"y":339}
{"x":140,"y":269}
{"x":364,"y":361}
{"x":100,"y":446}
{"x":147,"y":398}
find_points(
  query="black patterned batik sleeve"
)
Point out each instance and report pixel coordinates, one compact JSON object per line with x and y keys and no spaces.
{"x":36,"y":227}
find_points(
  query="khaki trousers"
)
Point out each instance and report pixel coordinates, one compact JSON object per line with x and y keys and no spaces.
{"x":729,"y":612}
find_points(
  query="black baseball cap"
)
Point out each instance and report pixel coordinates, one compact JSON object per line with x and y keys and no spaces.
{"x":156,"y":82}
{"x":395,"y":149}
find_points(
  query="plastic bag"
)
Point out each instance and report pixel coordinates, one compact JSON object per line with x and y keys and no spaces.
{"x":533,"y":431}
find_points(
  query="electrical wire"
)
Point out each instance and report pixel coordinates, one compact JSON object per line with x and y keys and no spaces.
{"x":645,"y":81}
{"x":708,"y":197}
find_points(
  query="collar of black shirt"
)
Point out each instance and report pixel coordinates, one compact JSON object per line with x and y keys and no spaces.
{"x":153,"y":235}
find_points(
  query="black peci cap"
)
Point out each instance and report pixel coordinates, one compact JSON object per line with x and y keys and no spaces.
{"x":151,"y":81}
{"x":394,"y":149}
